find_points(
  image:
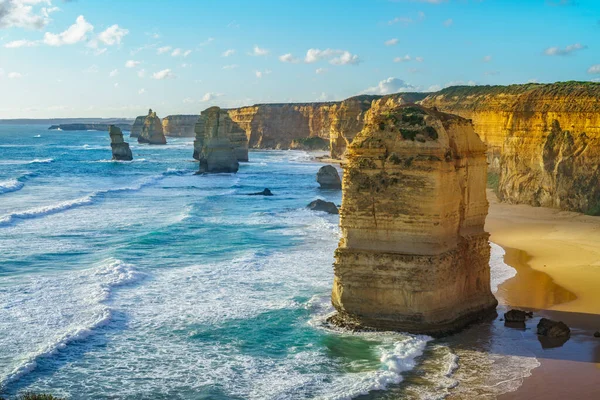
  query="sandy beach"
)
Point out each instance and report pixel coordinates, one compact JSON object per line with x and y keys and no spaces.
{"x":557,"y":258}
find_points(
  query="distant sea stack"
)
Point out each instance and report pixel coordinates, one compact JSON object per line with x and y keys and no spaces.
{"x":152,"y":130}
{"x":136,"y":129}
{"x":212,"y":146}
{"x":179,"y":125}
{"x":120,"y":149}
{"x":414,"y":255}
{"x":328,"y":178}
{"x":543,"y":139}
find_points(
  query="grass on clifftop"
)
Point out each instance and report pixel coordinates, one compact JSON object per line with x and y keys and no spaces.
{"x":34,"y":396}
{"x":558,"y":88}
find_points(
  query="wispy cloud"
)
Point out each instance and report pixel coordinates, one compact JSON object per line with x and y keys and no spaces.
{"x":209,"y":96}
{"x":207,"y":42}
{"x":20,"y":43}
{"x":594,"y":69}
{"x":113,"y":73}
{"x":321,"y":71}
{"x":260,"y":74}
{"x":15,"y":75}
{"x":228,"y":53}
{"x":448,"y":22}
{"x":487,"y":59}
{"x":391,"y":42}
{"x":289,"y":58}
{"x":231,"y":66}
{"x":335,"y":57}
{"x":181,"y":53}
{"x":557,"y":51}
{"x":164,"y":74}
{"x":132,"y":64}
{"x":257,"y":51}
{"x":163,"y":50}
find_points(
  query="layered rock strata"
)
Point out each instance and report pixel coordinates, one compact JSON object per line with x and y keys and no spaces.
{"x":152,"y":131}
{"x":543,"y":139}
{"x":413,"y":255}
{"x":136,"y":128}
{"x":179,"y":125}
{"x":212,"y":146}
{"x":120,"y":148}
{"x":235,"y":134}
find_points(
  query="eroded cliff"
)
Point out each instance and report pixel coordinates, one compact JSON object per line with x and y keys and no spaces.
{"x":136,"y":128}
{"x":152,"y":130}
{"x":543,"y":139}
{"x":413,"y":255}
{"x":212,"y":147}
{"x":179,"y":125}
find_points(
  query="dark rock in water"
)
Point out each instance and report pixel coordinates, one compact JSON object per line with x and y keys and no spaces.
{"x":329,"y":178}
{"x":320,"y":205}
{"x":120,"y":149}
{"x":597,"y":334}
{"x":553,"y":329}
{"x":517,"y":316}
{"x":265,"y":192}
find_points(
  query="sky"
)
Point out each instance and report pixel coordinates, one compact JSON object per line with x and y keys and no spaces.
{"x":107,"y":58}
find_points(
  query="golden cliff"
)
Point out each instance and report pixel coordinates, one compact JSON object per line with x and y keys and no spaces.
{"x":179,"y":125}
{"x":413,"y":255}
{"x":543,"y":139}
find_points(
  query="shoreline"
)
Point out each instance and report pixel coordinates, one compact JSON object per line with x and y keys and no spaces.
{"x":558,"y":275}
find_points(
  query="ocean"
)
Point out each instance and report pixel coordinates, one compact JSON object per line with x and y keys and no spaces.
{"x":137,"y":280}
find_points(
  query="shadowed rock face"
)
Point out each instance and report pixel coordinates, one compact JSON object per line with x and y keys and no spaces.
{"x":120,"y":149}
{"x":212,"y":146}
{"x":179,"y":125}
{"x":413,"y":255}
{"x":136,"y":129}
{"x":152,"y":131}
{"x":328,"y":178}
{"x":229,"y":129}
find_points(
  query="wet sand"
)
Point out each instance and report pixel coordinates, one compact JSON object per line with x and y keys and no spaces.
{"x":557,"y":258}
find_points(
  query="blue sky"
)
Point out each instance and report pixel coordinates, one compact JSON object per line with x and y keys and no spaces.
{"x":107,"y":58}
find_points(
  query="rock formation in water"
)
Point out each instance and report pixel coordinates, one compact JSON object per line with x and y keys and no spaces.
{"x":322,"y":205}
{"x":120,"y":149}
{"x":265,"y":192}
{"x":179,"y":125}
{"x":414,"y":255}
{"x":89,"y":127}
{"x":152,"y":130}
{"x":136,"y":128}
{"x":543,"y":139}
{"x":236,"y":135}
{"x":212,"y":146}
{"x":328,"y":178}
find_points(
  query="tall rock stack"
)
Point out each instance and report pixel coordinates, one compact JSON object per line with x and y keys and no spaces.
{"x":212,"y":146}
{"x":120,"y":149}
{"x":152,"y":130}
{"x":414,"y":255}
{"x":238,"y":139}
{"x":136,"y":129}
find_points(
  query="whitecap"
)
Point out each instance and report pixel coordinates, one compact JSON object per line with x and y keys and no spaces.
{"x":500,"y":271}
{"x":11,"y":185}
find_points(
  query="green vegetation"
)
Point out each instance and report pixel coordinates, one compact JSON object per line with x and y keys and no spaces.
{"x":34,"y":396}
{"x":310,"y":143}
{"x":493,"y":181}
{"x":577,"y":88}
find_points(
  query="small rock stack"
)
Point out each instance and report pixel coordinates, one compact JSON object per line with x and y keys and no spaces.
{"x":329,"y":178}
{"x":120,"y":149}
{"x":152,"y":131}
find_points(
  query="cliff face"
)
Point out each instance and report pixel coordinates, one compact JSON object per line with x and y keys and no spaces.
{"x":215,"y":151}
{"x":179,"y":125}
{"x":413,"y":255}
{"x":138,"y":124}
{"x":227,"y":128}
{"x":284,"y":126}
{"x":152,"y":130}
{"x":120,"y":149}
{"x":544,"y":140}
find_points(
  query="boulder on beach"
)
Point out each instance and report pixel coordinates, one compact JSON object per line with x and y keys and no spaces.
{"x":120,"y":148}
{"x":329,"y":178}
{"x":553,"y":329}
{"x":517,"y":316}
{"x":266,"y":192}
{"x":321,"y":205}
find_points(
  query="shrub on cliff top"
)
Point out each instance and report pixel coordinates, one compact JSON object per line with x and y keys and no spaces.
{"x":34,"y":396}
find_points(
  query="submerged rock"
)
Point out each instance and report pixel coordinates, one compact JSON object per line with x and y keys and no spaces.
{"x":329,"y":178}
{"x":553,"y":329}
{"x":212,"y":146}
{"x":265,"y":192}
{"x":120,"y":148}
{"x":152,"y":130}
{"x":517,"y":316}
{"x":414,"y":255}
{"x":321,"y":205}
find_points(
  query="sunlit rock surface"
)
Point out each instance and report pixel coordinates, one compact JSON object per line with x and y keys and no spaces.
{"x":152,"y":130}
{"x":120,"y":148}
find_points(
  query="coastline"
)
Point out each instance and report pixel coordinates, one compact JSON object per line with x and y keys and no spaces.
{"x":557,"y":260}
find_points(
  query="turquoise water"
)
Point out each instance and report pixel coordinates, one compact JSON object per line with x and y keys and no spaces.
{"x":134,"y":280}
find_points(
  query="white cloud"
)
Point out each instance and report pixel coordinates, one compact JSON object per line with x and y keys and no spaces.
{"x":141,"y":73}
{"x":434,"y":88}
{"x":391,"y":42}
{"x":232,"y":66}
{"x":335,"y":57}
{"x":162,"y":50}
{"x":164,"y":74}
{"x":391,"y":85}
{"x":557,"y":51}
{"x":113,"y":35}
{"x":260,"y":74}
{"x":289,"y":58}
{"x":113,"y":73}
{"x":257,"y":51}
{"x":74,"y":34}
{"x":116,"y":85}
{"x":210,"y":96}
{"x":14,"y":75}
{"x":98,"y":52}
{"x":487,"y":59}
{"x":406,"y":58}
{"x":181,"y":53}
{"x":142,"y":91}
{"x":207,"y":41}
{"x":594,"y":69}
{"x":20,"y":43}
{"x":324,"y":97}
{"x":401,"y":20}
{"x":185,"y":65}
{"x":320,"y":71}
{"x":188,"y":100}
{"x":448,"y":22}
{"x":228,"y":53}
{"x":132,"y":64}
{"x":21,"y":14}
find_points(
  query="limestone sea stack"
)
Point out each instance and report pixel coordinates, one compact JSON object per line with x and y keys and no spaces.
{"x":152,"y":130}
{"x":414,"y":255}
{"x":328,"y":178}
{"x":236,"y":135}
{"x":120,"y":149}
{"x":212,"y":146}
{"x":136,"y":129}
